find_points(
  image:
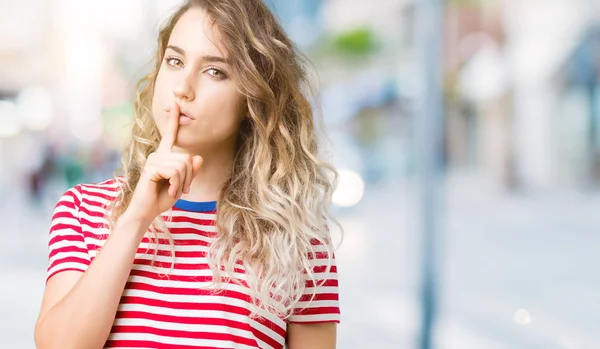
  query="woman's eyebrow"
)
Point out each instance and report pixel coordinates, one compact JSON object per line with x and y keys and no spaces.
{"x":207,"y":58}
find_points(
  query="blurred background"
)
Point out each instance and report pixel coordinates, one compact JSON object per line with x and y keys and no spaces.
{"x":513,"y":256}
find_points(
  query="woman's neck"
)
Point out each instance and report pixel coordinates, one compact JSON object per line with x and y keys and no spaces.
{"x":215,"y":170}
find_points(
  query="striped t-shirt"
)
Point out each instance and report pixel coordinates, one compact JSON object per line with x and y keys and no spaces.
{"x":167,"y":308}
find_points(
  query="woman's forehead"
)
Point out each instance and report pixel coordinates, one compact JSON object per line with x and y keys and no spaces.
{"x":196,"y":35}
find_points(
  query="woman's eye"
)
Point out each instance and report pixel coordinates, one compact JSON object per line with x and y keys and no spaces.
{"x":216,"y":73}
{"x":175,"y":62}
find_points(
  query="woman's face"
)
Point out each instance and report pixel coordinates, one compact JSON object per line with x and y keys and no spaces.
{"x":195,"y":74}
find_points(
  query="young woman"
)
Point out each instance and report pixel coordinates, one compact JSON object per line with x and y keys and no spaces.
{"x":216,"y":234}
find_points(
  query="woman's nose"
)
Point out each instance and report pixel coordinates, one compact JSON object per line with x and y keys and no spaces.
{"x":185,"y":90}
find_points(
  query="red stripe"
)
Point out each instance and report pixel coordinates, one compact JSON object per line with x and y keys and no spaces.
{"x":185,"y":305}
{"x":319,"y":255}
{"x":93,"y":225}
{"x":80,"y":261}
{"x":69,"y":193}
{"x":320,"y":283}
{"x":182,"y":210}
{"x":66,"y":249}
{"x":196,"y":231}
{"x":107,"y":184}
{"x":180,"y":266}
{"x":64,"y":203}
{"x":314,"y":321}
{"x":95,"y":195}
{"x":185,"y":334}
{"x":192,"y":291}
{"x":188,"y":219}
{"x":187,"y":242}
{"x":178,"y":253}
{"x":166,"y":251}
{"x":151,"y":344}
{"x":60,"y":271}
{"x":317,"y":242}
{"x":101,"y":204}
{"x":63,"y":214}
{"x":325,"y":269}
{"x":317,"y":311}
{"x":319,"y":297}
{"x":71,"y":237}
{"x":89,"y":212}
{"x":183,"y":278}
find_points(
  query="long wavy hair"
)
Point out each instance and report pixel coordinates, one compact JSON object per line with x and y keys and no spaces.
{"x":274,"y":208}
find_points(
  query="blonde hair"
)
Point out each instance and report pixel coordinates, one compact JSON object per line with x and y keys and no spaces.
{"x":273,"y":209}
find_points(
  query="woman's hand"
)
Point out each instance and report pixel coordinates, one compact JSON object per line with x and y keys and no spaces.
{"x":166,"y":175}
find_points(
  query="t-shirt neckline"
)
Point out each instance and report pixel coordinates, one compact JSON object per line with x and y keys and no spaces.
{"x":196,"y":206}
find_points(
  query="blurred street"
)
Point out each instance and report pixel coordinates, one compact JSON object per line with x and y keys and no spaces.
{"x":501,"y":253}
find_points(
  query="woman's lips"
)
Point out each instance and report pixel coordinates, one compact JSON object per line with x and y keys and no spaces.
{"x":185,"y":120}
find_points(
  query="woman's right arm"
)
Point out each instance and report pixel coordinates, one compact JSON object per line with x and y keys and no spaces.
{"x":79,"y":307}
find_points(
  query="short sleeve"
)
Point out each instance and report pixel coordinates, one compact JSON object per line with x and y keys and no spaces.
{"x":320,"y":302}
{"x":67,"y":249}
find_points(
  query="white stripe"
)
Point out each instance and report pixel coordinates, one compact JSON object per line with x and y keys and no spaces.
{"x":194,"y":215}
{"x":189,"y":236}
{"x":167,"y":247}
{"x":196,"y":299}
{"x":192,"y":284}
{"x":63,"y":255}
{"x":192,"y":299}
{"x":104,"y":190}
{"x":169,"y":259}
{"x":317,"y":304}
{"x":63,"y":232}
{"x":64,"y":220}
{"x":322,"y":289}
{"x":61,"y":204}
{"x":112,"y":182}
{"x":64,"y":243}
{"x":173,"y":326}
{"x":208,"y":228}
{"x":95,"y":200}
{"x":93,"y":219}
{"x":179,"y":272}
{"x":322,"y":262}
{"x":320,"y":248}
{"x":264,"y":345}
{"x":320,"y":277}
{"x":67,"y":265}
{"x":177,"y":341}
{"x":166,"y":282}
{"x":94,"y":208}
{"x":314,"y":318}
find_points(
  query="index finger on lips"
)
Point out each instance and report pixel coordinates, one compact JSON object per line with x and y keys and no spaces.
{"x":170,"y":134}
